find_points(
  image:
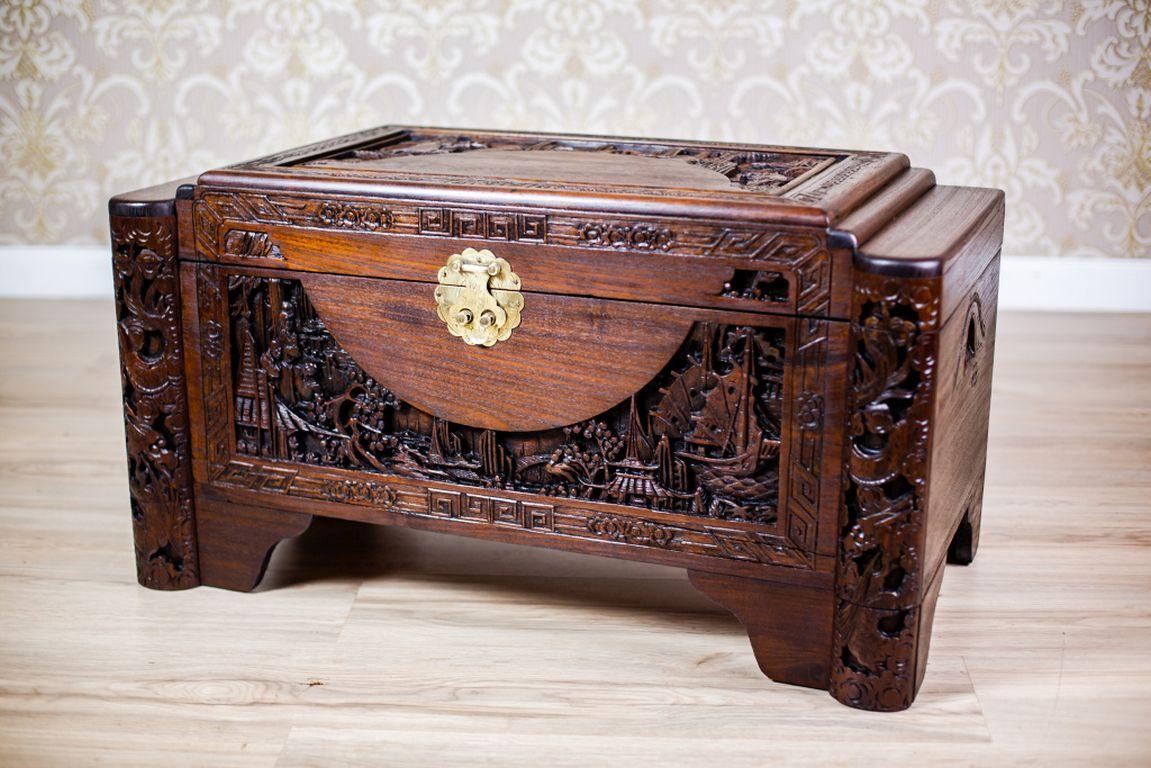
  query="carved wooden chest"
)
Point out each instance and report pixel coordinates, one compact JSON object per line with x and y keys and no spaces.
{"x":768,"y":366}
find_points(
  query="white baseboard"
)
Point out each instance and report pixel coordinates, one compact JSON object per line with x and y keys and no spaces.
{"x":55,"y":271}
{"x":1027,"y":282}
{"x":1077,"y":285}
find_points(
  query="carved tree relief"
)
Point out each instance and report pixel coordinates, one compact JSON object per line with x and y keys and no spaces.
{"x":703,"y":439}
{"x":155,"y":403}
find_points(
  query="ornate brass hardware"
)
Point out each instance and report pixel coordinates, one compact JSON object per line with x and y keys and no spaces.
{"x":478,"y":297}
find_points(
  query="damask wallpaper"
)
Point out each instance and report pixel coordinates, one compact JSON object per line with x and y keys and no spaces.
{"x":1049,"y":100}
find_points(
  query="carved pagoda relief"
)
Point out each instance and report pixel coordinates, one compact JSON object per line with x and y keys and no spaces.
{"x":881,"y":583}
{"x":155,"y":403}
{"x":703,"y":439}
{"x":755,"y":170}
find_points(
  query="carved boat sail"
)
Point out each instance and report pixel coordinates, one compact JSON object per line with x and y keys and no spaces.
{"x":727,"y":423}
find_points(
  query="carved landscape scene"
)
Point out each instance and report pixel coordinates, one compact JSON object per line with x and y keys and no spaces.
{"x":702,"y":439}
{"x":754,"y":170}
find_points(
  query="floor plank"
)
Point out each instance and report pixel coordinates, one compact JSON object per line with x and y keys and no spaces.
{"x":370,"y":646}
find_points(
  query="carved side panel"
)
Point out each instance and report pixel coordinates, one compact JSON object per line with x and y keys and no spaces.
{"x":155,"y":400}
{"x":880,"y":581}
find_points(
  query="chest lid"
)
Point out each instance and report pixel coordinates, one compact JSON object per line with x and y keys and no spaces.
{"x":708,"y":225}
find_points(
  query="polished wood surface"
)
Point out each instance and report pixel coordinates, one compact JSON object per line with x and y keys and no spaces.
{"x":515,"y":385}
{"x":601,"y":168}
{"x":803,"y":455}
{"x":780,"y":184}
{"x":378,"y":645}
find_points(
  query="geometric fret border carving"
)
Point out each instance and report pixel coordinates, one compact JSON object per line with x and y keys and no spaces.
{"x":880,"y":586}
{"x":802,"y":255}
{"x":555,"y":517}
{"x":155,"y":401}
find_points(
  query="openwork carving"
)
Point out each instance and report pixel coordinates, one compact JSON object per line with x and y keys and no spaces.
{"x":760,"y":285}
{"x":762,"y":171}
{"x":880,"y":580}
{"x":155,"y":403}
{"x":287,"y":411}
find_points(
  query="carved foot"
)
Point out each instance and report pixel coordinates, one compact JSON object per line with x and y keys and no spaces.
{"x":789,"y":626}
{"x":879,"y":655}
{"x":236,"y":541}
{"x":965,"y":542}
{"x":165,"y":543}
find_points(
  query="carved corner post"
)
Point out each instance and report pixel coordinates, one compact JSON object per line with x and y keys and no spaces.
{"x":144,"y":251}
{"x":884,"y":591}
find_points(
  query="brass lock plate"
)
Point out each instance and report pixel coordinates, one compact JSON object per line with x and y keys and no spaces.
{"x":478,"y":297}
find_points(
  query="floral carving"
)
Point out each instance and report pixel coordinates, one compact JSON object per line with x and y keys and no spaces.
{"x":348,"y":216}
{"x":358,"y":492}
{"x":630,"y":530}
{"x":810,"y":410}
{"x":638,"y":237}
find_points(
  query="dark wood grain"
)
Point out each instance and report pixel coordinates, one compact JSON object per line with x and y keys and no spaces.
{"x":388,"y":330}
{"x":237,"y":541}
{"x":961,"y":418}
{"x":148,"y":315}
{"x":916,"y":440}
{"x":768,"y":366}
{"x":889,"y":202}
{"x":784,"y":622}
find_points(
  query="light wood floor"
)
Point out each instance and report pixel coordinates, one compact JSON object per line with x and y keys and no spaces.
{"x":391,"y":647}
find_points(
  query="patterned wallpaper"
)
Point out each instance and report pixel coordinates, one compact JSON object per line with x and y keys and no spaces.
{"x":1048,"y":100}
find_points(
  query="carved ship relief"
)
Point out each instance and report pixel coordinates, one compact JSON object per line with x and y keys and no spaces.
{"x":702,"y":439}
{"x":727,"y":442}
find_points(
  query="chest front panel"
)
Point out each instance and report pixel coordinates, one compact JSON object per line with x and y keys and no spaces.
{"x":717,"y":453}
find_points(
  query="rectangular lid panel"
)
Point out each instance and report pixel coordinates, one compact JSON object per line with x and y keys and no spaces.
{"x":571,"y":162}
{"x":772,"y":269}
{"x":782,"y":185}
{"x":711,"y":225}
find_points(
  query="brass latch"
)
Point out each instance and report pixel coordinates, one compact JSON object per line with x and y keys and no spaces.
{"x":478,"y":297}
